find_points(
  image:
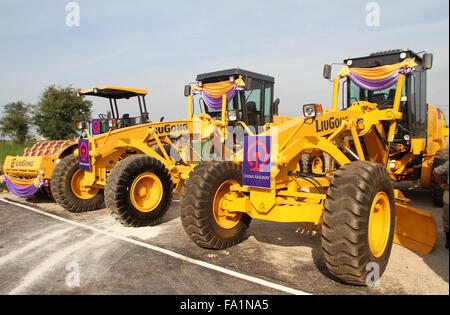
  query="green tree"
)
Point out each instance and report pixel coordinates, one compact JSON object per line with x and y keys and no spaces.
{"x":58,"y":111}
{"x":15,"y":123}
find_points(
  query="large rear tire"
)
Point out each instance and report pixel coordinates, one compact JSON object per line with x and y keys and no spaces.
{"x":358,"y":222}
{"x":436,"y":190}
{"x":67,"y":191}
{"x":201,"y":216}
{"x":139,"y":191}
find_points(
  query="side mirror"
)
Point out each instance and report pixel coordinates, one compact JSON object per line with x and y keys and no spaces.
{"x":428,"y":61}
{"x":327,"y":72}
{"x":187,"y":90}
{"x":275,"y":106}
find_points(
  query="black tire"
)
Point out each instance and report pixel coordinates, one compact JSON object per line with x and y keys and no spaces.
{"x":437,"y":192}
{"x":306,"y":163}
{"x":345,"y":230}
{"x":62,"y":191}
{"x":196,"y":206}
{"x":45,"y":192}
{"x":118,"y":189}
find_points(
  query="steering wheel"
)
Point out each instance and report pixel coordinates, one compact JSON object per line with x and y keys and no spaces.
{"x":353,"y":98}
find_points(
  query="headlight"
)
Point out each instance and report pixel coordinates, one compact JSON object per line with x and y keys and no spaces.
{"x":232,"y":115}
{"x":312,"y":110}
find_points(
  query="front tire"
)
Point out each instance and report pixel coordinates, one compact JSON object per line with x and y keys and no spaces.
{"x":201,"y":215}
{"x":139,"y":191}
{"x":358,"y":222}
{"x":67,"y":192}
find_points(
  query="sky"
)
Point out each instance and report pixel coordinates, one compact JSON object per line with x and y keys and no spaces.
{"x":162,"y":45}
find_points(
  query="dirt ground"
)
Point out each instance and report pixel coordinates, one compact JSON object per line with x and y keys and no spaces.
{"x":274,"y":252}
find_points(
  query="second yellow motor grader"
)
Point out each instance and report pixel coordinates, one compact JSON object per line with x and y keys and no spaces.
{"x":135,"y":169}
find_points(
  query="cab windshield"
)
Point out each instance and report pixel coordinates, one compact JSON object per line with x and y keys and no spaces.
{"x":384,"y":98}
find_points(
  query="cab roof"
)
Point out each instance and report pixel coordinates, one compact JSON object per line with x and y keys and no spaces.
{"x":114,"y":92}
{"x":225,"y":75}
{"x":383,"y":58}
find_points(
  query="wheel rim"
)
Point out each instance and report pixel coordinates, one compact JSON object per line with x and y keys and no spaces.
{"x":146,"y":192}
{"x":317,"y":165}
{"x":379,"y":224}
{"x":75,"y":185}
{"x":224,"y":219}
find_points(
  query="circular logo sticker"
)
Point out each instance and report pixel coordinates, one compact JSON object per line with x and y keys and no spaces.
{"x":84,"y":152}
{"x":257,"y":155}
{"x":96,"y":127}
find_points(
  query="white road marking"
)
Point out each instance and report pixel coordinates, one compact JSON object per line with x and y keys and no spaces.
{"x":169,"y":253}
{"x":33,"y":244}
{"x":48,"y":264}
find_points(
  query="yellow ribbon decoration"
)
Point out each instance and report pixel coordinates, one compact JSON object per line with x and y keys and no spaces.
{"x":217,"y":89}
{"x":378,"y":73}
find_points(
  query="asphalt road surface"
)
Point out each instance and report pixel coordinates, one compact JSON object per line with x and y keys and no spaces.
{"x":47,"y":250}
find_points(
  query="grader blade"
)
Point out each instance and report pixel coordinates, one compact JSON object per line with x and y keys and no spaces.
{"x":414,"y":228}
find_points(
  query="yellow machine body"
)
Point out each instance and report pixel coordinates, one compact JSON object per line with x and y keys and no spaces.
{"x":37,"y":163}
{"x":28,"y":167}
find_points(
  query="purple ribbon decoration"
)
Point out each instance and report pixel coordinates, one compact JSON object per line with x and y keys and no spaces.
{"x":215,"y":103}
{"x":22,"y":191}
{"x":376,"y":85}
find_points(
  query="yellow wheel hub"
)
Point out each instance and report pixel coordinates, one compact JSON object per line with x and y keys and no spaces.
{"x":77,"y":188}
{"x":317,"y":165}
{"x":379,"y":224}
{"x":222,"y":217}
{"x":146,"y":192}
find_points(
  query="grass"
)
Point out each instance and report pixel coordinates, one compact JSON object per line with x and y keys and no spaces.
{"x":9,"y":148}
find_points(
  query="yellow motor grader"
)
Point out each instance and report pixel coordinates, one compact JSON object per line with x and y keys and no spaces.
{"x":384,"y":131}
{"x":31,"y":173}
{"x":136,"y":169}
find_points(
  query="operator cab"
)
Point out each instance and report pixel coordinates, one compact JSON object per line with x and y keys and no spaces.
{"x":252,"y":105}
{"x":113,"y":118}
{"x":413,"y":101}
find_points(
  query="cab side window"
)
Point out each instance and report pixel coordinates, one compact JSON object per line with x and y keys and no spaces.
{"x":253,"y":103}
{"x":418,"y":103}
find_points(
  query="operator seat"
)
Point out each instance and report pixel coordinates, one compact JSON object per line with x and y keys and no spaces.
{"x":378,"y":98}
{"x":125,"y":121}
{"x":253,"y":114}
{"x":389,"y":101}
